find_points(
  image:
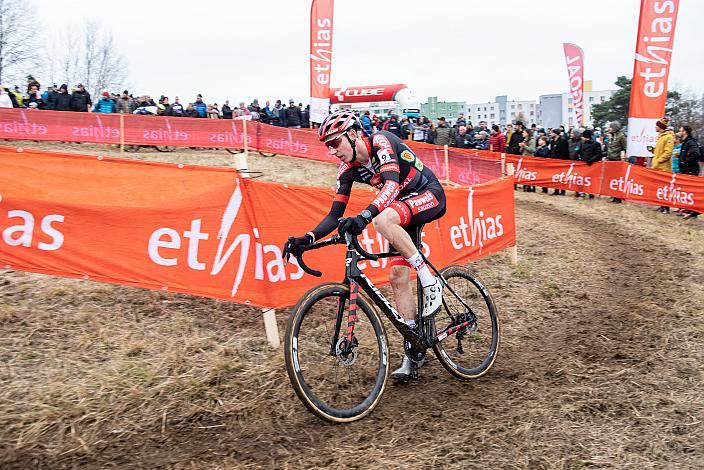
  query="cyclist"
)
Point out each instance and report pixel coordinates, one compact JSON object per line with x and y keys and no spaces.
{"x":409,"y":195}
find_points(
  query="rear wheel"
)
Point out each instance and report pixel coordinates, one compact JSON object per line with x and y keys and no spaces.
{"x":470,"y":352}
{"x":235,"y":151}
{"x":132,"y":148}
{"x":337,"y":382}
{"x":164,"y":148}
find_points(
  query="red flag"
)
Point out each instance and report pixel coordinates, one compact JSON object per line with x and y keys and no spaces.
{"x":575,"y":70}
{"x":656,"y":33}
{"x":321,"y":12}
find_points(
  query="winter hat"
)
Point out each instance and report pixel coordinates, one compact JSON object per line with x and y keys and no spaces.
{"x":663,"y":123}
{"x":615,"y":125}
{"x":106,"y":94}
{"x":587,"y":134}
{"x":63,"y":87}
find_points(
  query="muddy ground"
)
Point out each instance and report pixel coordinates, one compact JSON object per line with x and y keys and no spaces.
{"x":600,"y":362}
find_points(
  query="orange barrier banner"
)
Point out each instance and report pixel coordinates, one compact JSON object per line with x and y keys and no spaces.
{"x":640,"y":184}
{"x":614,"y":179}
{"x":651,"y":68}
{"x":560,"y":174}
{"x":202,"y":230}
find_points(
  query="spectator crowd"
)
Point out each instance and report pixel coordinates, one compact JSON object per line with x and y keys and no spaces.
{"x":78,"y":99}
{"x":676,"y":149}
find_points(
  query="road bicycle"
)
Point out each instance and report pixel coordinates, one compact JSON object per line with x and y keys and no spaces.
{"x":339,"y":369}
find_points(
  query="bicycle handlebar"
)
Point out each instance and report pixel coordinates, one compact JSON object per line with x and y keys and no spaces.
{"x":334,"y":240}
{"x":362,"y":251}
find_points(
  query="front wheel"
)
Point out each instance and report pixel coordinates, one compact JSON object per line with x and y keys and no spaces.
{"x":234,"y":151}
{"x":467,"y":325}
{"x":132,"y":148}
{"x":337,"y":381}
{"x":164,"y":148}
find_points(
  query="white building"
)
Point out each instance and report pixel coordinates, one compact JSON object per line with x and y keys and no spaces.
{"x":503,"y":111}
{"x":558,"y":109}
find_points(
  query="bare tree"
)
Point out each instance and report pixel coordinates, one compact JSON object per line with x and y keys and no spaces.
{"x":89,"y":56}
{"x":17,"y":38}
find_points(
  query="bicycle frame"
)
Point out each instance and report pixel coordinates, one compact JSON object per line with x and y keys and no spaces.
{"x":354,"y":277}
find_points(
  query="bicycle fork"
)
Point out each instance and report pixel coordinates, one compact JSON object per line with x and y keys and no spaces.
{"x":343,"y":347}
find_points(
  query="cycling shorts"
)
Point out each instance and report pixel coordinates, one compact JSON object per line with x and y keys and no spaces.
{"x":416,"y":209}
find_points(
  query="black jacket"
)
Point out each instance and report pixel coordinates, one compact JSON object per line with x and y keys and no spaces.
{"x":690,"y":156}
{"x":395,"y":128}
{"x":293,"y":116}
{"x":590,"y":152}
{"x":559,"y":149}
{"x":512,"y":147}
{"x":80,"y":101}
{"x":62,"y":102}
{"x":462,"y":141}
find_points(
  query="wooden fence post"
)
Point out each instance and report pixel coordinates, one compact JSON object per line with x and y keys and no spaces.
{"x":122,"y":134}
{"x":447,"y":164}
{"x":271,"y":329}
{"x":510,"y":170}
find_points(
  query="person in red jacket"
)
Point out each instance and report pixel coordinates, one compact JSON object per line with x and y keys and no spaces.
{"x":497,"y":141}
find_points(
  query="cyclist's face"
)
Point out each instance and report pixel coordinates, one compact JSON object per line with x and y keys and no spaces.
{"x":340,"y":148}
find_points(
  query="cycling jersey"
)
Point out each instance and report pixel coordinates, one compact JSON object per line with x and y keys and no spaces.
{"x":405,"y":184}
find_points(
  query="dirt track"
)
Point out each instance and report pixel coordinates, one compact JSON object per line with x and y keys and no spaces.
{"x":600,"y":366}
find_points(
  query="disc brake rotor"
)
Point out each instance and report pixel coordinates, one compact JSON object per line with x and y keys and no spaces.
{"x":346,"y":355}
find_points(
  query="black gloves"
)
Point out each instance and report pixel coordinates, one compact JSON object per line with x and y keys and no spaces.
{"x":352,"y":225}
{"x":294,"y":244}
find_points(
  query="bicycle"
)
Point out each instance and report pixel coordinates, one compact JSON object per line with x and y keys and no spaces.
{"x":160,"y":148}
{"x":235,"y":151}
{"x":339,"y":375}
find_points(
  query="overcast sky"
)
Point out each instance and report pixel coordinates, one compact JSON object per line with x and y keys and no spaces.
{"x":454,"y":49}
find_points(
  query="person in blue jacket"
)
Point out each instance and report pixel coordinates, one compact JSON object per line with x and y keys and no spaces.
{"x":105,"y":104}
{"x":201,"y":107}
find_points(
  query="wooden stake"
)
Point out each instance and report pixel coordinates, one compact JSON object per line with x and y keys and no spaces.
{"x":271,"y":329}
{"x":447,"y":164}
{"x":122,"y":134}
{"x":510,"y":170}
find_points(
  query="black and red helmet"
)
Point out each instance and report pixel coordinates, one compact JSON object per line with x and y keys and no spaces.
{"x":336,"y":124}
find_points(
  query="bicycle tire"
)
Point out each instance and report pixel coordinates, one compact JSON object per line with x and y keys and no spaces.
{"x":315,"y":314}
{"x":132,"y":148}
{"x":483,"y":334}
{"x":267,"y":154}
{"x":164,"y":148}
{"x":234,"y":151}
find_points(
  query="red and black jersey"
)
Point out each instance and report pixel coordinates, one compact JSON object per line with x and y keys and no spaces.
{"x":393,"y":168}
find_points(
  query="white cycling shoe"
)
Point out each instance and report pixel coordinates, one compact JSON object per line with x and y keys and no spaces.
{"x":432,"y":298}
{"x":408,"y":369}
